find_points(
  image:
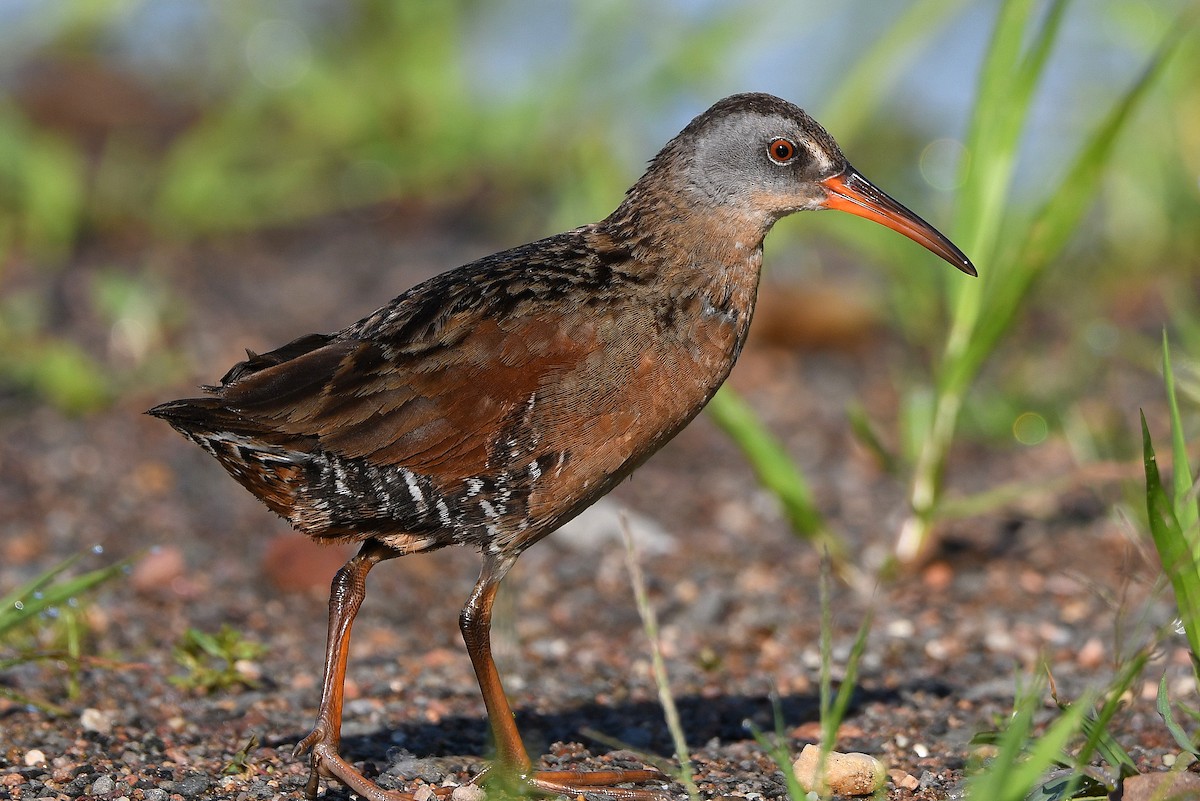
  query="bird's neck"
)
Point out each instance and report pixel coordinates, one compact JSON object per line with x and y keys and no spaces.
{"x":677,"y":242}
{"x":699,"y":258}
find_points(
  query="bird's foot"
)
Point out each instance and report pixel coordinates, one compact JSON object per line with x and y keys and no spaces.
{"x":577,"y":783}
{"x":327,"y":763}
{"x":600,"y":783}
{"x":321,"y":738}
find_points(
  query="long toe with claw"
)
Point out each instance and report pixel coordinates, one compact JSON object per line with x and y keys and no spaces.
{"x":327,"y":763}
{"x":318,"y":736}
{"x":600,"y":783}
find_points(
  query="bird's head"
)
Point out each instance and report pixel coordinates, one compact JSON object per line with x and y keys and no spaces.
{"x":761,"y":157}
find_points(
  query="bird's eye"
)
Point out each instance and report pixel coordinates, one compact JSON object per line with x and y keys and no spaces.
{"x":781,"y":150}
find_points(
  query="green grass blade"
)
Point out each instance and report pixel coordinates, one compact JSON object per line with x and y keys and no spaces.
{"x":864,"y":432}
{"x":1096,"y":727}
{"x":1057,"y":220}
{"x":1178,"y":559}
{"x":776,"y":748}
{"x":15,"y":600}
{"x":996,"y":135}
{"x":841,"y":702}
{"x":1187,"y":506}
{"x":774,"y":468}
{"x":1004,"y":98}
{"x":43,"y":593}
{"x":991,"y":782}
{"x":973,"y":337}
{"x":1163,"y":704}
{"x":1010,"y":777}
{"x":833,"y":707}
{"x":1107,"y":746}
{"x":1007,"y":80}
{"x":198,"y":640}
{"x":658,"y":666}
{"x":825,"y":681}
{"x":28,"y":700}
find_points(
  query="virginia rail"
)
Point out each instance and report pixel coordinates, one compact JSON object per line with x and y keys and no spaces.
{"x":492,"y":403}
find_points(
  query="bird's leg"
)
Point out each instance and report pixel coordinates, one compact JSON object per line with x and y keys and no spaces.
{"x":512,"y":761}
{"x":345,"y":598}
{"x":475,"y":623}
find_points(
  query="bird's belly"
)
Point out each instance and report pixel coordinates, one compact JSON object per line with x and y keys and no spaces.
{"x":654,"y":390}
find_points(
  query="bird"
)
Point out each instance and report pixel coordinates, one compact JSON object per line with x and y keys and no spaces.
{"x":490,"y":404}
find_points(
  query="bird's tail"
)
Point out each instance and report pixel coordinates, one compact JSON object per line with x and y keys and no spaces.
{"x":195,"y":415}
{"x":271,"y":470}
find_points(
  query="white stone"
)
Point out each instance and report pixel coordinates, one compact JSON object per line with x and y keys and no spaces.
{"x":96,"y":720}
{"x":468,"y":792}
{"x":844,"y":774}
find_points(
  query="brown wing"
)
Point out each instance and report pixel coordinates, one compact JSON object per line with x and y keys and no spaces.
{"x":434,"y":410}
{"x":439,"y":412}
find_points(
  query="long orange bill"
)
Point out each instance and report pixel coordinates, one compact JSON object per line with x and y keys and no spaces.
{"x":851,"y":192}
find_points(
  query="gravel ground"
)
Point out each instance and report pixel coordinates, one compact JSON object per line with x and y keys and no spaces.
{"x":1054,"y":577}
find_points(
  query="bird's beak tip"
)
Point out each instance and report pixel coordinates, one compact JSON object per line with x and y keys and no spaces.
{"x":850,"y":192}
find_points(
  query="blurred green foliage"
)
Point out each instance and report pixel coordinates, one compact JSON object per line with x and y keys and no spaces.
{"x":1017,"y":247}
{"x":42,"y":186}
{"x":1173,"y":518}
{"x":134,"y":311}
{"x":261,"y":115}
{"x":286,"y":113}
{"x":383,"y":103}
{"x":214,"y":662}
{"x":44,"y":620}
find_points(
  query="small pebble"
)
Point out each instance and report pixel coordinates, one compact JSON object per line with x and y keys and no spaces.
{"x":904,"y":780}
{"x":158,"y":570}
{"x":248,"y":669}
{"x":95,"y":720}
{"x":938,"y":576}
{"x":34,"y":756}
{"x":468,"y":792}
{"x":193,"y":785}
{"x":423,"y":793}
{"x":1153,"y":786}
{"x":845,"y":774}
{"x":103,"y":786}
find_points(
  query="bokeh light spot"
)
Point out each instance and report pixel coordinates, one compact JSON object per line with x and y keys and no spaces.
{"x":942,"y":163}
{"x":1030,"y":428}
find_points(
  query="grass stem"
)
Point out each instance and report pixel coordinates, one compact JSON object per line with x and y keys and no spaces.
{"x":658,"y":666}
